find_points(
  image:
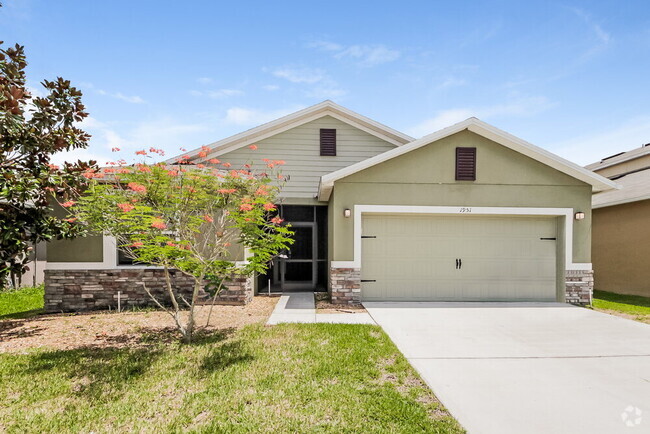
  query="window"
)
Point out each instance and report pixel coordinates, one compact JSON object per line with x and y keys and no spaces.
{"x":328,"y":142}
{"x":123,"y":259}
{"x":465,"y":164}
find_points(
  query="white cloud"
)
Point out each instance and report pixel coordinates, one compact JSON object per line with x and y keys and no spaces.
{"x":217,"y":94}
{"x":204,"y":80}
{"x":250,"y":117}
{"x":222,"y":93}
{"x":79,"y":154}
{"x":601,"y":35}
{"x":452,"y":82}
{"x":132,"y":99}
{"x":163,"y":132}
{"x":441,"y":120}
{"x":271,"y":87}
{"x":364,"y":55}
{"x":300,"y":75}
{"x":369,"y":55}
{"x":521,"y":106}
{"x":586,"y":149}
{"x":326,"y":92}
{"x":323,"y":85}
{"x":327,"y":46}
{"x":166,"y":133}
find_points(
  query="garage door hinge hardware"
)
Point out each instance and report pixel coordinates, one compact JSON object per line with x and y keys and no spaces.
{"x":368,"y":280}
{"x":368,"y":236}
{"x":553,"y":239}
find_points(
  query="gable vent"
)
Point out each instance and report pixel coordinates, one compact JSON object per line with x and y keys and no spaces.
{"x":328,"y":142}
{"x":465,"y":164}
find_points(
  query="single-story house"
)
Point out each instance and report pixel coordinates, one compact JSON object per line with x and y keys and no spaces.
{"x":621,"y":224}
{"x":468,"y":213}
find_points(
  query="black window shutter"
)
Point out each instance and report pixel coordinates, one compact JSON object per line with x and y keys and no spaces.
{"x":328,"y":142}
{"x":465,"y":164}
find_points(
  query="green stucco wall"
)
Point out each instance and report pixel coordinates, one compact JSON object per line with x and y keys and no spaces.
{"x":425,"y":177}
{"x":82,"y":249}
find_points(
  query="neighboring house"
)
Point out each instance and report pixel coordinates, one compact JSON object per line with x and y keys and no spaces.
{"x":468,"y":213}
{"x":621,"y":224}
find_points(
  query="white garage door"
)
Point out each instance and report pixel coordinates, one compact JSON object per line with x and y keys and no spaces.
{"x":458,"y":258}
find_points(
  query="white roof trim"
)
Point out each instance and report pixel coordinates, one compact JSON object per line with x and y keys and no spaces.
{"x":623,"y":157}
{"x":620,"y":201}
{"x":325,"y":108}
{"x":481,"y":128}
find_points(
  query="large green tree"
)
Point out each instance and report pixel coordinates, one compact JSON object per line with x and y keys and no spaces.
{"x":32,"y":129}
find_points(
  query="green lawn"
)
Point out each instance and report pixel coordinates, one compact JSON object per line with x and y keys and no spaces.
{"x":21,"y":303}
{"x":630,"y":306}
{"x":287,"y":378}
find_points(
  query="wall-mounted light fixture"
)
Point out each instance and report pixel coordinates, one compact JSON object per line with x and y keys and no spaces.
{"x":347,"y":213}
{"x":580,"y":215}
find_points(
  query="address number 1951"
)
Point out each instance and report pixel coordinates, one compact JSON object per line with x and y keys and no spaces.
{"x":466,"y":210}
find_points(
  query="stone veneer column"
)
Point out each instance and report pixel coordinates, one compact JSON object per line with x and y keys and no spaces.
{"x":345,"y":285}
{"x":80,"y":290}
{"x":579,"y":286}
{"x":238,"y":290}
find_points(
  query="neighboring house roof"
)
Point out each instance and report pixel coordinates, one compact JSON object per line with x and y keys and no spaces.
{"x":635,"y":187}
{"x":619,"y":158}
{"x":481,"y":128}
{"x":325,"y":108}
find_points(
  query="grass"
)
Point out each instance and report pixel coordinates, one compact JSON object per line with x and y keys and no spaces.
{"x":630,"y":306}
{"x":288,"y":378}
{"x":21,"y":303}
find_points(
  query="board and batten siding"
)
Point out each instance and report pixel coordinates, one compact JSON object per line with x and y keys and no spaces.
{"x":300,"y":149}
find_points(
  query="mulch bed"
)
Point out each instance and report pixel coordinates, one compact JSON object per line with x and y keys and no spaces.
{"x":111,"y":329}
{"x":324,"y":305}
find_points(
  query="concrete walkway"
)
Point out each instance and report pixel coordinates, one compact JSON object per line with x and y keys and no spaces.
{"x":300,"y":307}
{"x":527,"y":367}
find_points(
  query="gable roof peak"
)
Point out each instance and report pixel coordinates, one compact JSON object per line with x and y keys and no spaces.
{"x":300,"y":117}
{"x":486,"y":130}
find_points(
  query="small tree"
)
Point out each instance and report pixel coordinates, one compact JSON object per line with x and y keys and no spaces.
{"x":31,"y":130}
{"x":187,"y":218}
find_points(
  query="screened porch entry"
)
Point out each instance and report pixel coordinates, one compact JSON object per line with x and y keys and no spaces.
{"x":303,"y":267}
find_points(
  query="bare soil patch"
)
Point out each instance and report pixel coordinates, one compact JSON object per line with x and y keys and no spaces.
{"x":111,"y":329}
{"x":324,"y":305}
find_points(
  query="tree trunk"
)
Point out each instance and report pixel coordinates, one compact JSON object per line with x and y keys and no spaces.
{"x":198,"y":281}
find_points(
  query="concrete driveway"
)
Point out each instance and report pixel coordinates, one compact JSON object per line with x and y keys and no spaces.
{"x":527,"y":367}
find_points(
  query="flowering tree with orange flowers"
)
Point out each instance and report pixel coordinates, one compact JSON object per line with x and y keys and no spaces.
{"x":187,"y":217}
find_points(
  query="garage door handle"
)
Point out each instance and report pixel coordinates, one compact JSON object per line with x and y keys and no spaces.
{"x":460,"y":264}
{"x":368,"y":280}
{"x":457,"y":264}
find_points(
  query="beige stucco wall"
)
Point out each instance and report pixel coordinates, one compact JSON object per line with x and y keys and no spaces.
{"x":426,"y":176}
{"x":621,"y":248}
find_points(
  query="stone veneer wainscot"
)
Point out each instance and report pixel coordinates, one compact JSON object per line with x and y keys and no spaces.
{"x":579,"y":286}
{"x":81,"y":290}
{"x":345,"y":285}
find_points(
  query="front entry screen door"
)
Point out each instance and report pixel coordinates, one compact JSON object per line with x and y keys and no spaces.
{"x":299,"y":269}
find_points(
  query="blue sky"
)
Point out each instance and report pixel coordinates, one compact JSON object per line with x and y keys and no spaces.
{"x":571,"y":77}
